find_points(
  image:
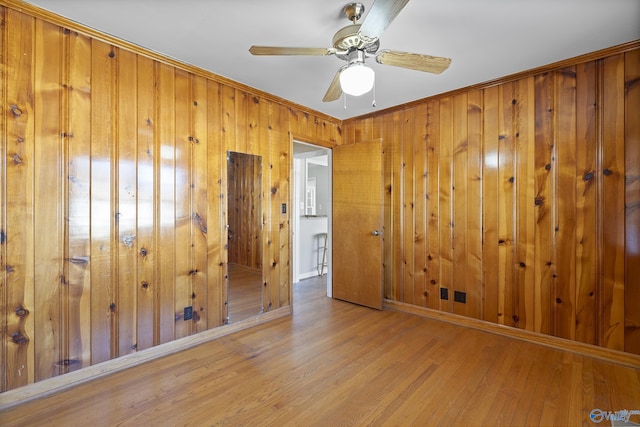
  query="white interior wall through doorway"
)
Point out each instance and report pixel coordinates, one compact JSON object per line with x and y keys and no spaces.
{"x":311,"y":161}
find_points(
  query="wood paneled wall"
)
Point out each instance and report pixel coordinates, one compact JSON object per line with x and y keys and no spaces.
{"x":112,"y":194}
{"x":523,"y":194}
{"x":244,"y":182}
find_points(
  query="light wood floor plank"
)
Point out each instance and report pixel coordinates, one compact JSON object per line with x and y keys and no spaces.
{"x":334,"y":363}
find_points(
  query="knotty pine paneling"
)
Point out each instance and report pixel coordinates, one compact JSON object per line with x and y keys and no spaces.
{"x":113,"y":199}
{"x":19,"y":170}
{"x":48,"y":190}
{"x":76,"y":300}
{"x":527,"y":193}
{"x":632,"y":204}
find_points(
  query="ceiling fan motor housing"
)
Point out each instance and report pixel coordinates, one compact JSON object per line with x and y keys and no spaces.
{"x":349,"y":38}
{"x":356,"y":57}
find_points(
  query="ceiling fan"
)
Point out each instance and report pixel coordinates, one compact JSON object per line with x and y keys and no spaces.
{"x":356,"y":42}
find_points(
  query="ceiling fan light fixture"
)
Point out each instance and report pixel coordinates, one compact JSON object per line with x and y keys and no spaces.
{"x":357,"y":79}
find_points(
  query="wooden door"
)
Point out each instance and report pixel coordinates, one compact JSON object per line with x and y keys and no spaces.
{"x":357,"y":223}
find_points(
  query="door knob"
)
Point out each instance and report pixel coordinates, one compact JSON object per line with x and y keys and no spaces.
{"x":375,"y":232}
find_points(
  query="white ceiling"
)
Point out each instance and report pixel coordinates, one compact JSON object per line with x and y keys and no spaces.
{"x":486,"y":39}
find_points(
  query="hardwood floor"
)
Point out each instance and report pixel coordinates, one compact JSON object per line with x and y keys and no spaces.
{"x":333,"y":363}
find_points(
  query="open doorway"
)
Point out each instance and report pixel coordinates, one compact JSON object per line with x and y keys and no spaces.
{"x":311,"y":213}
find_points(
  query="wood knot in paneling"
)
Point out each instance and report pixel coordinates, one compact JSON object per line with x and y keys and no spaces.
{"x":19,"y":338}
{"x":16,"y":111}
{"x":22,"y":312}
{"x":68,"y":362}
{"x":78,"y":260}
{"x":200,"y":223}
{"x":630,"y":83}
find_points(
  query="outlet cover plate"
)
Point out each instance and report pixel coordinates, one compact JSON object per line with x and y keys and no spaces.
{"x":460,"y":297}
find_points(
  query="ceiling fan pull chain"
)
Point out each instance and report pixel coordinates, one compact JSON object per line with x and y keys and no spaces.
{"x":345,"y":101}
{"x":373,"y":104}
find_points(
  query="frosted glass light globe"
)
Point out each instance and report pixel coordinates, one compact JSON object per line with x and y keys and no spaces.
{"x":357,"y":79}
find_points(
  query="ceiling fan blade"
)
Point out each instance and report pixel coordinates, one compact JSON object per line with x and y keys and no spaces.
{"x":274,"y":50}
{"x":382,"y":13}
{"x":413,"y":61}
{"x":335,"y":91}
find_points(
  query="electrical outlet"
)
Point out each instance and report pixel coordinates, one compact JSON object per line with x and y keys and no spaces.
{"x":188,"y":313}
{"x":444,"y":293}
{"x":460,"y":297}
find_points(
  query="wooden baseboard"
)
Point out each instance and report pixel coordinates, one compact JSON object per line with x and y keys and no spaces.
{"x":613,"y":356}
{"x":50,"y":386}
